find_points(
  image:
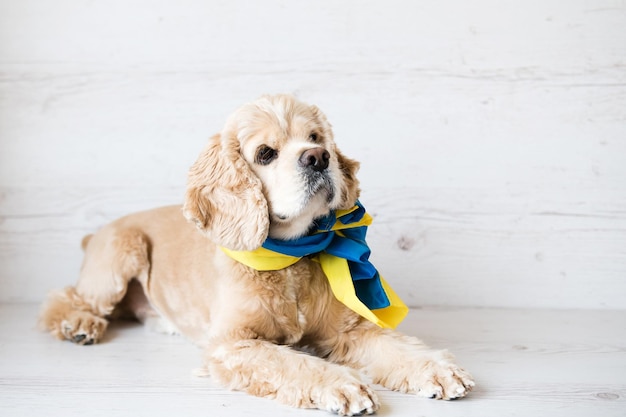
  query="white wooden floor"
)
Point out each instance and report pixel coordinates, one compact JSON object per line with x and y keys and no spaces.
{"x":526,"y":363}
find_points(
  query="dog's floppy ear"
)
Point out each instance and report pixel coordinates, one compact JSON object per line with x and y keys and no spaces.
{"x":225,"y":199}
{"x":350,"y":191}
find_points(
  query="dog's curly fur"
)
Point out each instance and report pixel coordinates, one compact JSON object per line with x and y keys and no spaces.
{"x":272,"y":170}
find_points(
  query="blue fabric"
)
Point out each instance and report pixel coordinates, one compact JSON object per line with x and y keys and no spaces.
{"x":348,"y":244}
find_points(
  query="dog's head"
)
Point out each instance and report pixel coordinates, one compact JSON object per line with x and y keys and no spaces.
{"x":272,"y":171}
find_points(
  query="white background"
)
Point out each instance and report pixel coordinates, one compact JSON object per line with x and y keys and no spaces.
{"x":492,"y":134}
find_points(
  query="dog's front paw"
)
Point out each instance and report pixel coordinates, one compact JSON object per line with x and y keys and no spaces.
{"x":348,"y":399}
{"x":430,"y":374}
{"x":441,"y":378}
{"x":82,"y":327}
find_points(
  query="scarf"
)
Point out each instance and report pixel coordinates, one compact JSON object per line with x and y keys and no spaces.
{"x":338,"y":244}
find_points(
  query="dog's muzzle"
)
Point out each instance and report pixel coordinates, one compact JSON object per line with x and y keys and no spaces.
{"x":314,"y":164}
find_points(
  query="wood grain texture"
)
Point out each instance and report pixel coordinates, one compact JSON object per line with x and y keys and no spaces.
{"x":492,"y":138}
{"x":526,"y":362}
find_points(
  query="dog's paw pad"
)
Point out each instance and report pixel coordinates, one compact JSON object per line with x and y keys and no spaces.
{"x":350,"y":399}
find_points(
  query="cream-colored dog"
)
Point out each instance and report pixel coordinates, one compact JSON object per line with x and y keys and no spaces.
{"x":272,"y":171}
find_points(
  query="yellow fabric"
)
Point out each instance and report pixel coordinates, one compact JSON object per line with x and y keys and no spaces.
{"x":262,"y":259}
{"x":338,"y":274}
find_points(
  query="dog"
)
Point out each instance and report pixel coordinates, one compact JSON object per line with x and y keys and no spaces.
{"x":271,"y":172}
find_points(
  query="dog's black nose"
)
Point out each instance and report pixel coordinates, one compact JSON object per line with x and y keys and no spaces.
{"x":316,"y":159}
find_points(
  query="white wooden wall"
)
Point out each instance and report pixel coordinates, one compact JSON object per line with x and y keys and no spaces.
{"x":492,"y":134}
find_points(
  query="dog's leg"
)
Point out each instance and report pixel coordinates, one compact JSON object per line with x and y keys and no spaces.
{"x":294,"y":378}
{"x":402,"y":363}
{"x":112,"y":258}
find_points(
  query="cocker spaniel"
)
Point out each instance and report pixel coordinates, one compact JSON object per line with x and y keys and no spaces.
{"x":271,"y":174}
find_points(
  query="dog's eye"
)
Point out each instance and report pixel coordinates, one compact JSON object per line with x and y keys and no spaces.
{"x":313,"y":137}
{"x":265,"y":155}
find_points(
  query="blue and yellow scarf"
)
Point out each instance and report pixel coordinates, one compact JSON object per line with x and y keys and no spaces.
{"x":339,"y":246}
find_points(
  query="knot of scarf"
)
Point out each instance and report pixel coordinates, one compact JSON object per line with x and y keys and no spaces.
{"x":338,"y":244}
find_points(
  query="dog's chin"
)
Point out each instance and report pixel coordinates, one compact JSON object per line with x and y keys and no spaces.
{"x":317,"y":202}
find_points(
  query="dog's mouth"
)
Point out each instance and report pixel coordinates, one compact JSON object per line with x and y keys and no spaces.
{"x":317,"y":183}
